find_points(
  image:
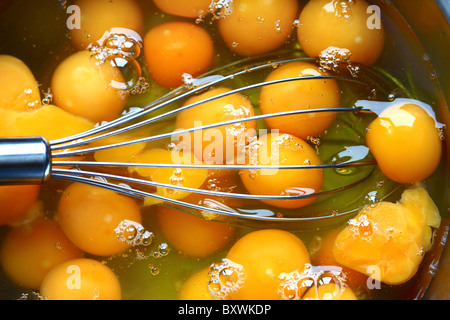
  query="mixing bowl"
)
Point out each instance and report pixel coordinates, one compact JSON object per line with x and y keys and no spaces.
{"x":418,"y":42}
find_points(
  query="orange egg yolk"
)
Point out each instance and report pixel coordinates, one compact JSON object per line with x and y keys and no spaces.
{"x":405,"y":141}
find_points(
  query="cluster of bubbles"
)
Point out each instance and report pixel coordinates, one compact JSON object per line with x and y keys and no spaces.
{"x":133,"y":233}
{"x":295,"y":285}
{"x":32,"y":105}
{"x":121,"y":48}
{"x":332,"y":58}
{"x":221,"y":8}
{"x":225,"y":278}
{"x":48,"y":97}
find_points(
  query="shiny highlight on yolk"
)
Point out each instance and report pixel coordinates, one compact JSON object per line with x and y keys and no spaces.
{"x":405,"y":141}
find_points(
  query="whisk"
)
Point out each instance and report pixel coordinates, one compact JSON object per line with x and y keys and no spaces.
{"x":32,"y":160}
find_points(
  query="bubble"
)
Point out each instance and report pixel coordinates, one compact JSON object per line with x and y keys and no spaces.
{"x":48,"y":97}
{"x":294,"y":285}
{"x":332,"y":58}
{"x":226,"y":278}
{"x":154,"y":270}
{"x":163,"y":249}
{"x":121,"y":49}
{"x":297,"y":23}
{"x":129,"y":68}
{"x":221,"y":8}
{"x":133,"y":233}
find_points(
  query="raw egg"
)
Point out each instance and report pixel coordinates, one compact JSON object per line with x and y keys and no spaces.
{"x":82,"y":86}
{"x":30,"y":251}
{"x":19,"y":90}
{"x":172,"y":49}
{"x":192,"y":235}
{"x":219,"y":144}
{"x":263,"y":255}
{"x":405,"y":141}
{"x":347,"y":24}
{"x":99,"y":16}
{"x":89,"y":215}
{"x":278,"y":150}
{"x":387,"y":241}
{"x":81,"y":279}
{"x":300,"y":95}
{"x":258,"y":26}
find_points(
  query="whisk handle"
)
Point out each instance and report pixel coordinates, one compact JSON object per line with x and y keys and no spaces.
{"x":24,"y":160}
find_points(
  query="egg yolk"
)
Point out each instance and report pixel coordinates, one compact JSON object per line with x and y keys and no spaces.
{"x":81,"y":279}
{"x":191,"y":235}
{"x":405,"y":142}
{"x":263,"y":255}
{"x":98,"y":17}
{"x":29,"y":252}
{"x":178,"y":177}
{"x":324,"y":257}
{"x":219,"y":144}
{"x":89,"y":215}
{"x":18,"y":88}
{"x":82,"y":87}
{"x":387,"y":241}
{"x":16,"y":201}
{"x":48,"y":121}
{"x":258,"y":26}
{"x":278,"y":150}
{"x":175,"y":48}
{"x":184,"y":8}
{"x":299,"y":95}
{"x":196,"y":287}
{"x":344,"y":24}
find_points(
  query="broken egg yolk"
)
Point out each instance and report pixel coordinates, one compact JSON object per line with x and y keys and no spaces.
{"x":387,"y":241}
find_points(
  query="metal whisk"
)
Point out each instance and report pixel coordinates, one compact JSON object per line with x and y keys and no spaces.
{"x":35,"y":160}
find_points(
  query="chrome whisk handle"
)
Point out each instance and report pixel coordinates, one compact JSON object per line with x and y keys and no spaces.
{"x":24,"y":160}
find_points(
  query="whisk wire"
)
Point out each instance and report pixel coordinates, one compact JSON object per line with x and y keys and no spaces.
{"x":78,"y":144}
